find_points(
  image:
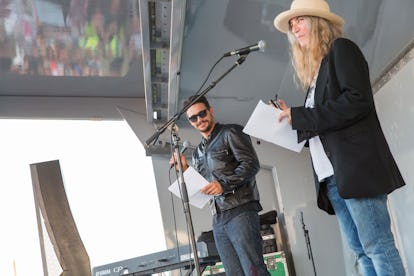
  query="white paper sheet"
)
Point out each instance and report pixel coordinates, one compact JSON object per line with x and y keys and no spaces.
{"x":263,"y":124}
{"x":194,"y":183}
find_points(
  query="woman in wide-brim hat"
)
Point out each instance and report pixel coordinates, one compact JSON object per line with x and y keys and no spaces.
{"x":317,"y":8}
{"x":353,"y":165}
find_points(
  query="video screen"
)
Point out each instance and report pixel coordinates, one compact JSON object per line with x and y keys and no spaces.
{"x":69,"y":37}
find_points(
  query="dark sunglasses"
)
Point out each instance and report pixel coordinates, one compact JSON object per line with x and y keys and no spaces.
{"x":201,"y":114}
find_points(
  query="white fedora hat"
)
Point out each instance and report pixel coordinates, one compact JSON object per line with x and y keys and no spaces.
{"x":318,"y":8}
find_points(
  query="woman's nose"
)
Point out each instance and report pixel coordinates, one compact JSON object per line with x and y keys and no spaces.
{"x":295,"y":27}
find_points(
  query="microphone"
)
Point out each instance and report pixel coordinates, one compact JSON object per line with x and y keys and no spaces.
{"x":259,"y":46}
{"x":186,"y":145}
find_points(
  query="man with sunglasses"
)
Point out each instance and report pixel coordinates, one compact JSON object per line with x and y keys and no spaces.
{"x":227,"y":159}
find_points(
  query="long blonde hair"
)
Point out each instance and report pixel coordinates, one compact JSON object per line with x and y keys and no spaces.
{"x":306,"y":61}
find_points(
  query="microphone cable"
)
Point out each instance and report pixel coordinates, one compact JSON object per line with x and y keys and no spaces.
{"x":261,"y":45}
{"x":208,"y":75}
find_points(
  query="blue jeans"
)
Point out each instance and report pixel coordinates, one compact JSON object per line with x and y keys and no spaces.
{"x":365,"y":224}
{"x":239,"y":244}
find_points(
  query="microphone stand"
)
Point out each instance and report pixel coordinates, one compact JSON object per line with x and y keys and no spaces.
{"x":184,"y":196}
{"x":175,"y":139}
{"x":308,"y":244}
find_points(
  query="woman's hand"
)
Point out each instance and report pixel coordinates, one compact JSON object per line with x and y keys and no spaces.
{"x":285,"y":111}
{"x":282,"y":104}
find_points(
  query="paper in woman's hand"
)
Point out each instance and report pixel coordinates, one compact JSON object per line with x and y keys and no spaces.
{"x":264,"y":124}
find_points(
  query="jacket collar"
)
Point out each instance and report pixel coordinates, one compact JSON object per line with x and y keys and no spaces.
{"x":321,"y":81}
{"x":216,"y":130}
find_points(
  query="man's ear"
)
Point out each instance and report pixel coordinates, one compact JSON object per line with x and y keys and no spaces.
{"x":211,"y":111}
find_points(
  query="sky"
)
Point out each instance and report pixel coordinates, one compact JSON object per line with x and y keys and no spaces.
{"x":108,"y":180}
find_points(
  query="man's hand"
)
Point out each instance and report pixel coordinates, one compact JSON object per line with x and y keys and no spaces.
{"x":183,"y":162}
{"x":212,"y":188}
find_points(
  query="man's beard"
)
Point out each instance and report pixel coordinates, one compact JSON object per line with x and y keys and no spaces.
{"x":208,"y":128}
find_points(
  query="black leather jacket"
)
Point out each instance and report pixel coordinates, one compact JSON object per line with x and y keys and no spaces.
{"x":228,"y":156}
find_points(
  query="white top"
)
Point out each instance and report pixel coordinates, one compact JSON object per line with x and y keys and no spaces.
{"x":321,"y":164}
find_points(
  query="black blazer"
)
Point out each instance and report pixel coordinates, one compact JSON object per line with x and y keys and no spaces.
{"x":346,"y":121}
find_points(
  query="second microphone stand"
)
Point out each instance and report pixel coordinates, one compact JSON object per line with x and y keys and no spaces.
{"x":308,"y":243}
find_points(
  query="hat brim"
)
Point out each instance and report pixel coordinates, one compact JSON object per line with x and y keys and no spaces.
{"x":281,"y":21}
